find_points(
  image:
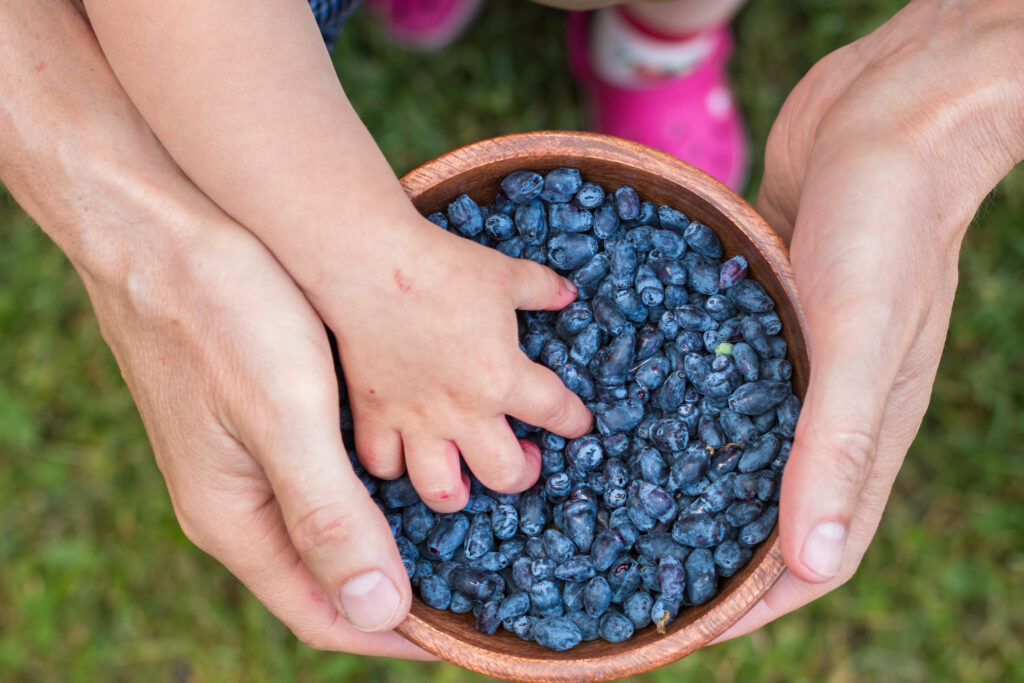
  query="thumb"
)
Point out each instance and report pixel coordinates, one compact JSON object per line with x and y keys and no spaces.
{"x":334,"y":525}
{"x":851,"y":268}
{"x":538,"y":288}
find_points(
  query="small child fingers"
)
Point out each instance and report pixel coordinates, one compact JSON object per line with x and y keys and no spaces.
{"x":500,"y":461}
{"x":379,"y":449}
{"x":435,"y":470}
{"x":544,"y":401}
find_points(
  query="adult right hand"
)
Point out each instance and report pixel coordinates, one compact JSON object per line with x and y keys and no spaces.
{"x":227,"y":362}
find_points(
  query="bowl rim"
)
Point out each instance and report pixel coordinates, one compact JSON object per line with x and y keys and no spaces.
{"x":708,"y":622}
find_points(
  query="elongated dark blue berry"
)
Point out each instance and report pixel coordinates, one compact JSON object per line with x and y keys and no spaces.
{"x":606,"y":220}
{"x":758,"y":530}
{"x":500,"y":226}
{"x":701,"y":274}
{"x":465,"y":215}
{"x":755,"y":398}
{"x":557,"y":633}
{"x":627,"y":203}
{"x":573,"y":318}
{"x":672,"y":220}
{"x":750,"y":297}
{"x":561,"y":184}
{"x":569,"y":250}
{"x":597,"y":596}
{"x":532,"y":223}
{"x":701,"y":579}
{"x":730,"y":557}
{"x":522,"y":186}
{"x":698,"y":531}
{"x":479,"y":537}
{"x":590,"y":196}
{"x":435,"y":592}
{"x":487,"y":618}
{"x":787,"y":412}
{"x":615,"y":627}
{"x":546,"y":598}
{"x":759,"y":453}
{"x":703,"y":240}
{"x":569,"y":218}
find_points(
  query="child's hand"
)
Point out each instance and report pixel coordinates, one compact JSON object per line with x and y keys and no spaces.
{"x":430,"y":347}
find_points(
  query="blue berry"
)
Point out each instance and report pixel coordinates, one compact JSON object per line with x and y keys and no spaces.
{"x":474,"y":584}
{"x":439,"y":219}
{"x":637,"y":608}
{"x":447,"y":535}
{"x":557,"y":633}
{"x":730,"y":557}
{"x":701,"y":581}
{"x":703,"y":240}
{"x":531,"y":223}
{"x":561,"y":184}
{"x":590,"y":196}
{"x":759,"y":453}
{"x":569,"y":218}
{"x":606,"y":220}
{"x":435,"y":592}
{"x":465,"y":215}
{"x":627,"y":203}
{"x":570,"y":250}
{"x":500,"y":226}
{"x":672,"y":219}
{"x":754,"y":398}
{"x":750,"y":297}
{"x":546,"y":598}
{"x":586,"y":623}
{"x":479,"y":537}
{"x":698,"y":531}
{"x":597,"y":596}
{"x":487,"y":619}
{"x":619,"y":417}
{"x":522,"y":186}
{"x":615,"y":627}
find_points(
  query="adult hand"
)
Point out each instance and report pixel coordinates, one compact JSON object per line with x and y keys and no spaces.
{"x":874,"y":168}
{"x":227,"y":362}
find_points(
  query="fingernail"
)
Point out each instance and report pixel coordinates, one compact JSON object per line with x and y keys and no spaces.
{"x":823,"y":549}
{"x":569,"y":285}
{"x":370,"y":601}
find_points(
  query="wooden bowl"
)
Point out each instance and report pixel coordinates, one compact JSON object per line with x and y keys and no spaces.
{"x":477,"y":170}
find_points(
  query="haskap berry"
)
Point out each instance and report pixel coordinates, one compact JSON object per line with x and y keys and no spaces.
{"x":678,"y":356}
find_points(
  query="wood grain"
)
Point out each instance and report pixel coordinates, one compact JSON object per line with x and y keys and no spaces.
{"x":477,"y":170}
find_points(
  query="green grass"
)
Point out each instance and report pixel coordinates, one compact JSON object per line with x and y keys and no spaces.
{"x":98,"y":583}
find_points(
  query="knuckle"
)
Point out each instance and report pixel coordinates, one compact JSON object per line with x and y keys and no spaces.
{"x":854,"y":450}
{"x":445,"y":497}
{"x":314,"y":638}
{"x":505,"y":479}
{"x":322,"y":526}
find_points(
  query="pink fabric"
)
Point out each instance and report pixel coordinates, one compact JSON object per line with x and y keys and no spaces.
{"x":692,"y":117}
{"x":425,"y":24}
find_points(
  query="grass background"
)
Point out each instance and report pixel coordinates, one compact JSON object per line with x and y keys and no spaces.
{"x":98,"y":583}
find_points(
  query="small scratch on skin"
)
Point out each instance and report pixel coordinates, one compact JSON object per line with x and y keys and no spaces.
{"x":317,"y":596}
{"x":40,"y":66}
{"x":404,"y":283}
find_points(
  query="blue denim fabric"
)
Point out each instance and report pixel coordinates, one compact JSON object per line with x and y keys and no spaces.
{"x":330,"y":16}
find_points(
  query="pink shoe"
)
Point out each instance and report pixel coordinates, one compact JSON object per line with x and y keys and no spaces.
{"x":692,"y":116}
{"x":425,"y":25}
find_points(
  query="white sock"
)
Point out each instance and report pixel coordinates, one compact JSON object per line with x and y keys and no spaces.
{"x":624,"y":55}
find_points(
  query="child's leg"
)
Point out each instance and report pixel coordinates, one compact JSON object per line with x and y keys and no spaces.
{"x":424,"y":25}
{"x":681,"y":17}
{"x":655,"y":73}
